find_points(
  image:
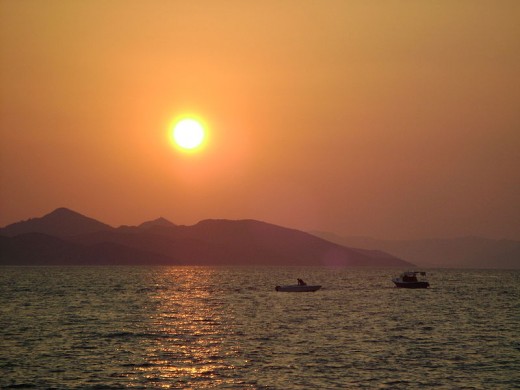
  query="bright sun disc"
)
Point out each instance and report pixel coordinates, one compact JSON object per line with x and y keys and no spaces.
{"x":188,"y":134}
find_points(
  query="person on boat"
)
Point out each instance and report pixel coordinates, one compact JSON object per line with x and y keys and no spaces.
{"x":301,"y":282}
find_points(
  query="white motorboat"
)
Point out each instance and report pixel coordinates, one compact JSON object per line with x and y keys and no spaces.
{"x":409,"y":279}
{"x":300,"y":287}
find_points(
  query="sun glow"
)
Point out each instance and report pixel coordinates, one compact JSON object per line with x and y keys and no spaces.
{"x":188,"y":134}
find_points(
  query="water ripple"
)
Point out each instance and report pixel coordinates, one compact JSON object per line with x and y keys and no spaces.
{"x":196,"y":327}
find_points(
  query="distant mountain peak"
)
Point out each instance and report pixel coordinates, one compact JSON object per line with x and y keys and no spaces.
{"x":63,"y":212}
{"x":61,"y":222}
{"x":162,"y":222}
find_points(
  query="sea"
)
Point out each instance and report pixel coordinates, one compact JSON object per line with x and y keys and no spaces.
{"x":227,"y":328}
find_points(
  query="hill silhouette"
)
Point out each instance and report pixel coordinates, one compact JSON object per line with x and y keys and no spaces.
{"x":67,"y":237}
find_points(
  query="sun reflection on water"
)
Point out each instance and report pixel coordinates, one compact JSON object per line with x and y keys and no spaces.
{"x":189,"y":327}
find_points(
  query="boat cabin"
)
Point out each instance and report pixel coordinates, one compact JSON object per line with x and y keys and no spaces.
{"x":409,"y":277}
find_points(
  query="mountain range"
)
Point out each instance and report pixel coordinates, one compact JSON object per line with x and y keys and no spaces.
{"x":462,"y":252}
{"x":65,"y":237}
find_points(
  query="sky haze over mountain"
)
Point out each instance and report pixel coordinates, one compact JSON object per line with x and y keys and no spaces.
{"x":394,"y":119}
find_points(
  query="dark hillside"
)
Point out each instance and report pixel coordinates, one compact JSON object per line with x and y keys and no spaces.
{"x":243,"y":242}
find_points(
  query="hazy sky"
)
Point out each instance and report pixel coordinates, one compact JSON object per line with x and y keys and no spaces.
{"x":392,"y":119}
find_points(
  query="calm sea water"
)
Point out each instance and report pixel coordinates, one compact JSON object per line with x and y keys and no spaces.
{"x":199,"y":327}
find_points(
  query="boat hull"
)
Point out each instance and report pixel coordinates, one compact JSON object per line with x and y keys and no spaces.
{"x":297,"y":288}
{"x":402,"y":284}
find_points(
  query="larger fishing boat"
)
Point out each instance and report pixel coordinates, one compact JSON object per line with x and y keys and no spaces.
{"x":411,"y":279}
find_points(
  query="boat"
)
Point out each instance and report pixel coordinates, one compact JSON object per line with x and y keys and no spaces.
{"x":300,"y":287}
{"x":409,"y":279}
{"x":297,"y":288}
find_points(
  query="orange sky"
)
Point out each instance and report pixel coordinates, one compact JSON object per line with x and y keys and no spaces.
{"x":394,"y":119}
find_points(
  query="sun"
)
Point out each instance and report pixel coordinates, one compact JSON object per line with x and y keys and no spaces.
{"x":188,"y":134}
